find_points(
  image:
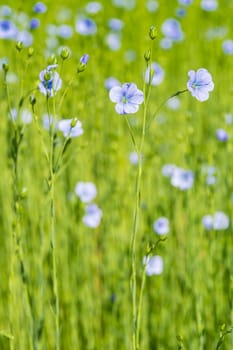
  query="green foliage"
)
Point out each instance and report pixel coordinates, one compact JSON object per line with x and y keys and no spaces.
{"x":194,"y":294}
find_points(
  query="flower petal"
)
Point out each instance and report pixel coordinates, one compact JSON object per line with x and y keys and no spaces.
{"x":137,"y":98}
{"x":131,"y":108}
{"x":120,"y":108}
{"x":115,"y":94}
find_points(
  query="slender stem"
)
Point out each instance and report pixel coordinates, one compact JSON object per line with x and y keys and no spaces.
{"x":135,"y":225}
{"x":140,"y":307}
{"x":163,"y":103}
{"x":51,"y":183}
{"x":17,"y":266}
{"x":65,"y":92}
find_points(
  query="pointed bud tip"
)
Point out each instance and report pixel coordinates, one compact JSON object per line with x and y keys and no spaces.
{"x":153,"y":32}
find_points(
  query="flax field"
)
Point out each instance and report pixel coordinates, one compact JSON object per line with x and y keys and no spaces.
{"x":116,"y":186}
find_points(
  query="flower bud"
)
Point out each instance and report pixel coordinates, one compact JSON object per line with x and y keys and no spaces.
{"x":47,"y":76}
{"x":65,"y":53}
{"x":5,"y":67}
{"x":19,"y":46}
{"x":52,"y":60}
{"x":147,"y":55}
{"x":30,"y":51}
{"x":32,"y":100}
{"x":83,"y":63}
{"x":74,"y":122}
{"x":24,"y":193}
{"x":153,"y":32}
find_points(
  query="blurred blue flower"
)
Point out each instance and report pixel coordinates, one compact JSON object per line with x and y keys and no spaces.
{"x":25,"y":116}
{"x":93,"y":7}
{"x":207,"y":222}
{"x":210,"y":172}
{"x":113,"y":40}
{"x":7,"y":30}
{"x":86,"y":191}
{"x":182,"y":179}
{"x":152,"y":5}
{"x":133,"y":158}
{"x":5,"y":10}
{"x":165,"y":43}
{"x":222,"y":135}
{"x":93,"y":215}
{"x":161,"y":226}
{"x":227,"y":47}
{"x":127,"y":97}
{"x":128,"y":4}
{"x":168,"y":169}
{"x":228,"y":118}
{"x":200,"y":84}
{"x":157,"y":74}
{"x":209,"y":5}
{"x":185,"y":2}
{"x":47,"y":121}
{"x":130,"y":55}
{"x":174,"y":103}
{"x":115,"y":24}
{"x":85,"y":26}
{"x":50,"y":81}
{"x":70,"y":127}
{"x":218,"y":221}
{"x":154,"y":265}
{"x":111,"y":82}
{"x":40,"y":7}
{"x":25,"y":37}
{"x":181,"y":12}
{"x":64,"y":31}
{"x":34,"y":23}
{"x":171,"y":28}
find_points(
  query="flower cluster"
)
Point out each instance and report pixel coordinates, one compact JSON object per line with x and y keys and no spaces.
{"x":218,"y":221}
{"x":86,"y":191}
{"x":179,"y":177}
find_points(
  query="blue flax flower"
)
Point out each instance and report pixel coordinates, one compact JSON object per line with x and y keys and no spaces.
{"x":86,"y":191}
{"x":200,"y":84}
{"x":154,"y":265}
{"x":93,"y":215}
{"x":40,"y":7}
{"x":227,"y":47}
{"x":7,"y":30}
{"x":70,"y":127}
{"x":218,"y":221}
{"x":127,"y":97}
{"x":85,"y":26}
{"x":222,"y":135}
{"x":161,"y":226}
{"x":50,"y":81}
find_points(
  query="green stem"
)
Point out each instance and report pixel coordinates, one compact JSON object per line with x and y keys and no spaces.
{"x":163,"y":103}
{"x":52,"y":222}
{"x":140,"y":307}
{"x":135,"y":335}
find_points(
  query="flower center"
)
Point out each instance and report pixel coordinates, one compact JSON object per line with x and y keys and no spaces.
{"x":124,"y":99}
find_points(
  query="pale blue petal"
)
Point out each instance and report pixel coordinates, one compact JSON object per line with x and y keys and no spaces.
{"x":120,"y":108}
{"x":131,"y":108}
{"x":137,"y":98}
{"x":115,"y":94}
